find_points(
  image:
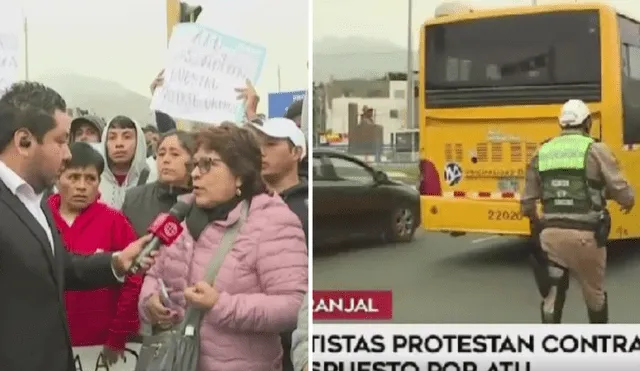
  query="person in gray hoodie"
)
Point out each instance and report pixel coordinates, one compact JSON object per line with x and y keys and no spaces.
{"x":86,"y":128}
{"x":125,"y":150}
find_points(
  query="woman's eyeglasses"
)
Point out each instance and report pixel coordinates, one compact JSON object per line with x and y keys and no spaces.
{"x":204,"y":164}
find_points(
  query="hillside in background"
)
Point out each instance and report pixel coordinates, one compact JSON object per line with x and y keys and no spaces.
{"x":105,"y":98}
{"x":356,"y":57}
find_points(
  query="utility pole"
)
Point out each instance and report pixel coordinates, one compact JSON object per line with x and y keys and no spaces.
{"x":279,"y":87}
{"x":409,"y":93}
{"x":26,"y":48}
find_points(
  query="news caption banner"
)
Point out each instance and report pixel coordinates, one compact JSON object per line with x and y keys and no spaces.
{"x":352,"y":305}
{"x":365,"y":347}
{"x":378,"y":346}
{"x":203,"y":70}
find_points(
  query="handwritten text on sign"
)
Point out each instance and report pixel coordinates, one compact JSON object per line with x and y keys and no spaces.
{"x":9,"y":55}
{"x":203,"y":70}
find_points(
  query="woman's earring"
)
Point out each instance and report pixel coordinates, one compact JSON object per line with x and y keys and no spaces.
{"x":238,"y":192}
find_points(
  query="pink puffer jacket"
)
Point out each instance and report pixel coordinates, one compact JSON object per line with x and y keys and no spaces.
{"x":261,"y":283}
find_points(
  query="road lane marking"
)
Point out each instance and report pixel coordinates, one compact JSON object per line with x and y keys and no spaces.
{"x":483,"y":239}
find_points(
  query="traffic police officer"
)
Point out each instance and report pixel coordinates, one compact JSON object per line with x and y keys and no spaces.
{"x":572,"y":175}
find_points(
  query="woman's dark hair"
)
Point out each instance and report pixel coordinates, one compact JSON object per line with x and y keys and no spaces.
{"x":186,"y":140}
{"x":239,"y":150}
{"x":83,"y":156}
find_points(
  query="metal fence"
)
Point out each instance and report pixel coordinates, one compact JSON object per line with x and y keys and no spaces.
{"x":388,"y":154}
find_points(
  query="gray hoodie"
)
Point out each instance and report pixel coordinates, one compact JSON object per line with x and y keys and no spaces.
{"x":111,"y":192}
{"x":96,"y":121}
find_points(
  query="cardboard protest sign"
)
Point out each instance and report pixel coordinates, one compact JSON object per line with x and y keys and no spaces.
{"x":11,"y":36}
{"x":203,"y":69}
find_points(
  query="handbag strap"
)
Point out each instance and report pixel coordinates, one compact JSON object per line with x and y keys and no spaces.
{"x":193,"y":316}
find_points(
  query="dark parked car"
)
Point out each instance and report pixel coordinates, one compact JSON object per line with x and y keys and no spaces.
{"x":351,"y":200}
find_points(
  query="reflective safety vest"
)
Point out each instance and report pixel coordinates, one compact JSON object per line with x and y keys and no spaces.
{"x":562,"y":166}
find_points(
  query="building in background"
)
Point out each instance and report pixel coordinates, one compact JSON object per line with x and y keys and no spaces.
{"x":334,"y":101}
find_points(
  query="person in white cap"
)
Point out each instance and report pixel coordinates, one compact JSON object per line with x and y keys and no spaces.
{"x":284,"y":146}
{"x":572,"y":175}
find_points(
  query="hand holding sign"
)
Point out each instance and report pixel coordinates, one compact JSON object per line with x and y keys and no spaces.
{"x":248,"y":92}
{"x":157,"y":82}
{"x":251,"y":99}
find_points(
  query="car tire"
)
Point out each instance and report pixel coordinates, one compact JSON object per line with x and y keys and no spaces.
{"x":402,"y":225}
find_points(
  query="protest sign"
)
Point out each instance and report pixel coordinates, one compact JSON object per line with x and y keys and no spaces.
{"x":203,"y":69}
{"x":11,"y":28}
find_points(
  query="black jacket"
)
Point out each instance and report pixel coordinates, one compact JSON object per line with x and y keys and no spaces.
{"x":142,"y":204}
{"x":297,"y":198}
{"x":164,"y":122}
{"x":303,"y":169}
{"x":34,"y":334}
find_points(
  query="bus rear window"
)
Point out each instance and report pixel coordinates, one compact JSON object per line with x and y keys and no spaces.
{"x":534,"y":50}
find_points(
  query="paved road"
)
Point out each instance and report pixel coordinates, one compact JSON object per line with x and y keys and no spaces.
{"x":441,"y":279}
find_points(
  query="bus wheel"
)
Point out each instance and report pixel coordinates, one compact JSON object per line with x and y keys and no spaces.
{"x":402,"y":225}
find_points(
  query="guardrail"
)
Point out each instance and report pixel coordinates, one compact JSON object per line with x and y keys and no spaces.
{"x":388,"y":154}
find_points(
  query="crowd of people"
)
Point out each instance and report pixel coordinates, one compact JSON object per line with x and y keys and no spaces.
{"x":115,"y":180}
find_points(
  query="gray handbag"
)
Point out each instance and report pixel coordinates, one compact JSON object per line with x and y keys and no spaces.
{"x":179,"y":349}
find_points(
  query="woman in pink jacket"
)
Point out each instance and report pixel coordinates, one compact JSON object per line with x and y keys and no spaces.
{"x":261,"y":283}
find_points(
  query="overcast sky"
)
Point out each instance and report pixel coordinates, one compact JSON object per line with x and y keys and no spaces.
{"x":387,"y":19}
{"x":125,"y":40}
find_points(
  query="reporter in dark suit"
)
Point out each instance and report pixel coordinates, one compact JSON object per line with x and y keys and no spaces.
{"x":35,"y":268}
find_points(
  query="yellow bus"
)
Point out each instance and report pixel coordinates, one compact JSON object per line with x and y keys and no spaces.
{"x":491,"y":86}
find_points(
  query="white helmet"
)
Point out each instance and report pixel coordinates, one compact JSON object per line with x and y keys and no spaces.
{"x":573,"y":113}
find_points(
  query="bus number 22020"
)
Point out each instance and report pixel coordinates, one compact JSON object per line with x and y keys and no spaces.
{"x":498,"y":215}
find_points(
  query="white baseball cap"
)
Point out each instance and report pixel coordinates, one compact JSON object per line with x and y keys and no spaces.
{"x":283,"y":128}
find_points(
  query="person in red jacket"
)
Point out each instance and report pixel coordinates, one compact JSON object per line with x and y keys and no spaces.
{"x":108,"y":316}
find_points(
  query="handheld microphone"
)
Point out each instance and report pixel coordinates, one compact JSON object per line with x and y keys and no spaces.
{"x":165,"y":229}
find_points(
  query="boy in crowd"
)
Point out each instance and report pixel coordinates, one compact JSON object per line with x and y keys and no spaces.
{"x":283,"y":147}
{"x":125,"y":149}
{"x":107,"y":317}
{"x":151,"y":136}
{"x":86,"y":129}
{"x":294,"y":112}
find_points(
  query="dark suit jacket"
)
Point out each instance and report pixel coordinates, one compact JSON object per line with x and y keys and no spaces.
{"x":34,"y":334}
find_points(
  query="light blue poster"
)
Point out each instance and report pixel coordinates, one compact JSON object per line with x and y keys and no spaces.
{"x":203,"y":70}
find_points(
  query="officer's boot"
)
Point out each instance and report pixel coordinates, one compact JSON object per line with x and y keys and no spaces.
{"x":602,"y":315}
{"x":556,"y":316}
{"x":539,"y":263}
{"x":561,"y":286}
{"x":541,"y":275}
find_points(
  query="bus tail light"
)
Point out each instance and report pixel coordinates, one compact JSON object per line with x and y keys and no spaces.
{"x":429,"y":179}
